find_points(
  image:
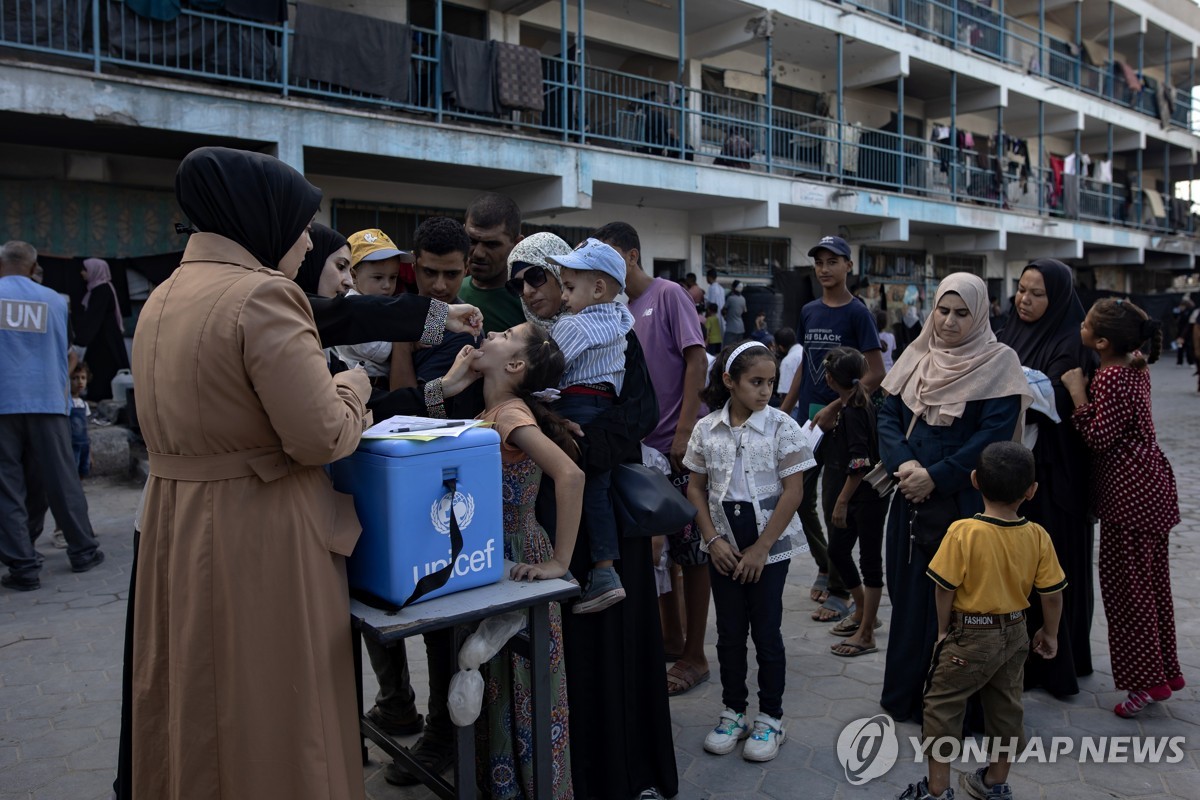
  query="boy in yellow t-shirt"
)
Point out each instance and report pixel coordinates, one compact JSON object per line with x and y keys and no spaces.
{"x":984,"y":571}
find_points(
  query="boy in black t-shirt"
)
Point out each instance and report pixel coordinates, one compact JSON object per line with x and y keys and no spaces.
{"x":837,"y":319}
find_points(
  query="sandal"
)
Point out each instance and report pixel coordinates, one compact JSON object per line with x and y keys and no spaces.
{"x":852,"y":650}
{"x":682,"y":678}
{"x":840,"y":608}
{"x":819,"y":592}
{"x":849,"y":626}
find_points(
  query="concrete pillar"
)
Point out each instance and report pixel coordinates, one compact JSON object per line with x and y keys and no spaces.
{"x":290,"y":150}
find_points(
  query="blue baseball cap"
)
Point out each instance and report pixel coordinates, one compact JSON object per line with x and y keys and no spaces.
{"x":594,"y":254}
{"x":834,"y":244}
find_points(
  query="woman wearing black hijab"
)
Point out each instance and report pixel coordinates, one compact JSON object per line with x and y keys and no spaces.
{"x":242,"y":676}
{"x":325,"y":271}
{"x":225,"y":187}
{"x":1044,"y":330}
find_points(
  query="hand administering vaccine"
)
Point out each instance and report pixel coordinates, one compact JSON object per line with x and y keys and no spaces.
{"x":464,"y":318}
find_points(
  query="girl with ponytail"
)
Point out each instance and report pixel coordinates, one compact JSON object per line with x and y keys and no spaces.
{"x":517,"y":366}
{"x":1135,"y":498}
{"x":854,"y":512}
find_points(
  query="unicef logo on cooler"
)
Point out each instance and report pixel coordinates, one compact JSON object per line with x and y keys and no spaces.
{"x":439,"y":512}
{"x":868,"y":748}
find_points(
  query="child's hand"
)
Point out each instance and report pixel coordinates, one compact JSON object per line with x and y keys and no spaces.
{"x":1044,"y":645}
{"x":841,"y":510}
{"x":750,"y":568}
{"x":538,"y":572}
{"x":1075,"y":380}
{"x":722,"y":555}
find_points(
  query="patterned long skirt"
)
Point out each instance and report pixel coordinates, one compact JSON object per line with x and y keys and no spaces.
{"x":1135,"y":582}
{"x":505,"y":758}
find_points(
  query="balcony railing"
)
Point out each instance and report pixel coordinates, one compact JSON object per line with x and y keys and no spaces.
{"x":984,"y":31}
{"x":588,"y":104}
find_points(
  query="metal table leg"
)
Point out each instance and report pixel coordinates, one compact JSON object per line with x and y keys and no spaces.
{"x":464,"y":761}
{"x":539,"y":667}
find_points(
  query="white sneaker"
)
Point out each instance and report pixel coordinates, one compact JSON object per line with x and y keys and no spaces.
{"x":731,"y":729}
{"x":763,"y":744}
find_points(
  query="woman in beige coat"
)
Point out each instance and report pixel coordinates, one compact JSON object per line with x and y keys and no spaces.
{"x":243,"y":683}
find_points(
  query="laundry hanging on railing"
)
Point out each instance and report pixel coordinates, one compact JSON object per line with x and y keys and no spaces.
{"x":1130,"y":75}
{"x":519,"y":78}
{"x":1155,"y":202}
{"x":270,"y":12}
{"x":62,"y":30}
{"x":351,"y":51}
{"x":221,"y":49}
{"x":469,"y":74}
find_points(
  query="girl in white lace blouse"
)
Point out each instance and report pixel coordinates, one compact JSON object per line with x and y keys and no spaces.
{"x":747,"y":461}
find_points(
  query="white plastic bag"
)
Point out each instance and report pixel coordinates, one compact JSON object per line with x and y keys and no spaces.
{"x":466,"y":687}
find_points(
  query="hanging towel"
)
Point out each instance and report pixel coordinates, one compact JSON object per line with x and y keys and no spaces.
{"x":271,"y":12}
{"x":352,"y":51}
{"x":1155,"y":201}
{"x":1131,"y":78}
{"x":1104,"y":171}
{"x":469,"y":74}
{"x":161,"y":10}
{"x":1069,"y":165}
{"x":519,"y":78}
{"x":1163,"y":101}
{"x":850,"y":153}
{"x":1096,"y":54}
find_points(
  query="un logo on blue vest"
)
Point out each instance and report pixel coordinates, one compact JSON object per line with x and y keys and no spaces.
{"x":868,"y":748}
{"x":439,"y":512}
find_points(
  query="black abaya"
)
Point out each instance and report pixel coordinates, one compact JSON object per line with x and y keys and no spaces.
{"x":1052,"y":346}
{"x":97,"y":330}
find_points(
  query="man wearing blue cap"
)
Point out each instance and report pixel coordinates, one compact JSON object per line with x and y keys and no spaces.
{"x":836,"y":319}
{"x":592,"y":338}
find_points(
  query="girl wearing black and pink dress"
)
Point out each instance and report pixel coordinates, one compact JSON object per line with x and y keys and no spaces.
{"x":1136,"y":516}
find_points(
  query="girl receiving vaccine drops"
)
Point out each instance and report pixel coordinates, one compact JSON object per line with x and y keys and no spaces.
{"x":515,"y":364}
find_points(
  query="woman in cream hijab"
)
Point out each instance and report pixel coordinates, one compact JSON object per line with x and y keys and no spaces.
{"x":966,"y":391}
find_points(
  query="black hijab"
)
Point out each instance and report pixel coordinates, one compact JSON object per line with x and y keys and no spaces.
{"x":253,"y":199}
{"x":1054,"y":337}
{"x":326,"y":241}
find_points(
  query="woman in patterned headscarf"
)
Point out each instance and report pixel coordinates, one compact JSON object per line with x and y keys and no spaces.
{"x":537,"y":280}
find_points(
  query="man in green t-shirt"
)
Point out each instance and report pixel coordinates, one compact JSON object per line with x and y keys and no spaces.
{"x":494,"y":226}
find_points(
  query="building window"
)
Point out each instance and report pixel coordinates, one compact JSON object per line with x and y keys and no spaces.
{"x":398,"y":222}
{"x":746,"y":256}
{"x":903,"y":265}
{"x":944,"y":265}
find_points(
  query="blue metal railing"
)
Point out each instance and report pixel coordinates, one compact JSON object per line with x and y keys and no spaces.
{"x":615,"y":109}
{"x":987,"y":32}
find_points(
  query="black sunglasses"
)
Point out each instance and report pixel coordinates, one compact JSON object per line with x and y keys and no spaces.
{"x":534,"y":274}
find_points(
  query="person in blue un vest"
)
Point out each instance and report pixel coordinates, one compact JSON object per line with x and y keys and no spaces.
{"x":35,"y":429}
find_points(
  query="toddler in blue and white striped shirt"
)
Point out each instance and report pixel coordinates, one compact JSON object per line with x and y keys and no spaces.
{"x":592,"y":338}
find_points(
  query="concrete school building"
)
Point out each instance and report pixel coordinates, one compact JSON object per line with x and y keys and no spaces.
{"x":934,"y":135}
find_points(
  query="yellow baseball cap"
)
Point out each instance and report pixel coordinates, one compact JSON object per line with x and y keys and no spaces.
{"x":374,"y":245}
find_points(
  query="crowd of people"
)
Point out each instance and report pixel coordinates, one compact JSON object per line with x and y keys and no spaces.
{"x":965,"y":466}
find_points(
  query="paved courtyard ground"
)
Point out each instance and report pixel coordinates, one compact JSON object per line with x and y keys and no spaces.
{"x":60,"y":672}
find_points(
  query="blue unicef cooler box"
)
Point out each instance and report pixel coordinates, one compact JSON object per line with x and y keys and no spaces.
{"x":404,"y":508}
